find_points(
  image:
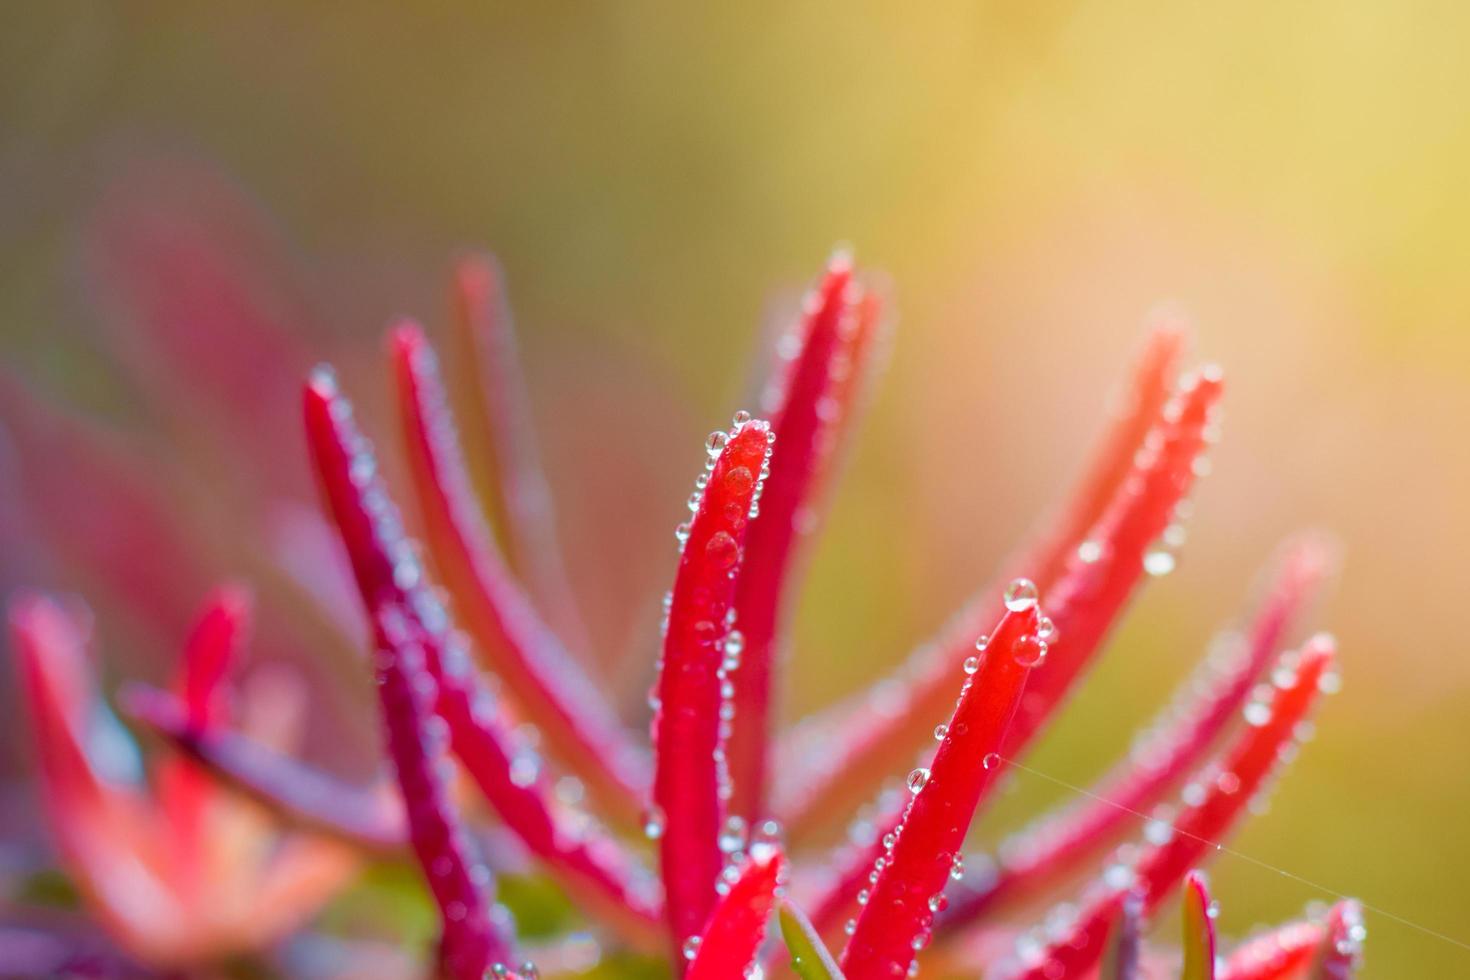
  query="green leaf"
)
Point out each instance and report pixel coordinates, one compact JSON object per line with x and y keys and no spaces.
{"x":809,"y":955}
{"x":1199,"y":931}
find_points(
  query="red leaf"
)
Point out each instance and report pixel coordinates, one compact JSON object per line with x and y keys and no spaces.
{"x":215,"y":642}
{"x":1105,"y":568}
{"x":470,"y":942}
{"x":1341,"y":950}
{"x":501,"y":421}
{"x":580,"y":727}
{"x":737,"y":926}
{"x":1330,"y":950}
{"x":386,"y":569}
{"x":502,"y":763}
{"x":810,"y":407}
{"x":691,"y":784}
{"x":837,"y":757}
{"x":1279,"y":954}
{"x":1052,"y":846}
{"x":1121,"y":959}
{"x":923,"y":853}
{"x":1214,"y":801}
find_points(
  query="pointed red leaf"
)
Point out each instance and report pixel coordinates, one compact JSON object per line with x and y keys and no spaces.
{"x":580,"y":727}
{"x":215,"y":642}
{"x":836,"y":757}
{"x":1213,"y":802}
{"x":501,"y":421}
{"x":502,"y":762}
{"x":1315,"y":950}
{"x":60,"y":697}
{"x":1177,"y":742}
{"x":691,"y":783}
{"x":1199,"y":930}
{"x":810,"y":406}
{"x":1341,"y":951}
{"x":1105,"y":568}
{"x":1282,"y":953}
{"x":737,"y":926}
{"x":460,"y":883}
{"x":923,"y":852}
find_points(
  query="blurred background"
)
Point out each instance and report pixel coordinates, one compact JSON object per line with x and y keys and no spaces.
{"x":660,"y":183}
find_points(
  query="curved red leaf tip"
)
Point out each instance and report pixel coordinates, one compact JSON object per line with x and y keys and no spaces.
{"x":874,"y":732}
{"x":501,"y":421}
{"x":1341,"y":952}
{"x":503,"y":764}
{"x":923,"y":853}
{"x":470,"y":942}
{"x":580,"y":727}
{"x":1282,"y":953}
{"x":1137,"y":534}
{"x":388,"y":574}
{"x":809,"y":401}
{"x":691,"y":698}
{"x":1199,"y":930}
{"x":1213,"y":801}
{"x":737,"y":927}
{"x":1121,"y":959}
{"x":1330,"y":949}
{"x":1051,"y":846}
{"x":50,"y":646}
{"x":213,"y":645}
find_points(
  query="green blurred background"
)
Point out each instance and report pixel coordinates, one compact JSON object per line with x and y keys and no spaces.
{"x":658,"y":178}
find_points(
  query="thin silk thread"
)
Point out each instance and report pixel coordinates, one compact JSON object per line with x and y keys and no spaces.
{"x":1221,"y":848}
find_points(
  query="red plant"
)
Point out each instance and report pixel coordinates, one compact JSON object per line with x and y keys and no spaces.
{"x":489,"y":672}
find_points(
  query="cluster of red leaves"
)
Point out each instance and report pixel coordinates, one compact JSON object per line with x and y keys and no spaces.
{"x":477,"y":658}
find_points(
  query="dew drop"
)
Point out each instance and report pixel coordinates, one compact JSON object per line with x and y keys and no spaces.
{"x":918,"y":779}
{"x":722,"y":550}
{"x":1020,"y":595}
{"x":1029,"y":651}
{"x":1158,"y":561}
{"x":734,"y":835}
{"x":940,"y":731}
{"x":972,"y":664}
{"x":991,"y":760}
{"x":654,"y":822}
{"x":716,"y":443}
{"x":691,"y":947}
{"x":741,"y":417}
{"x":739,"y":480}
